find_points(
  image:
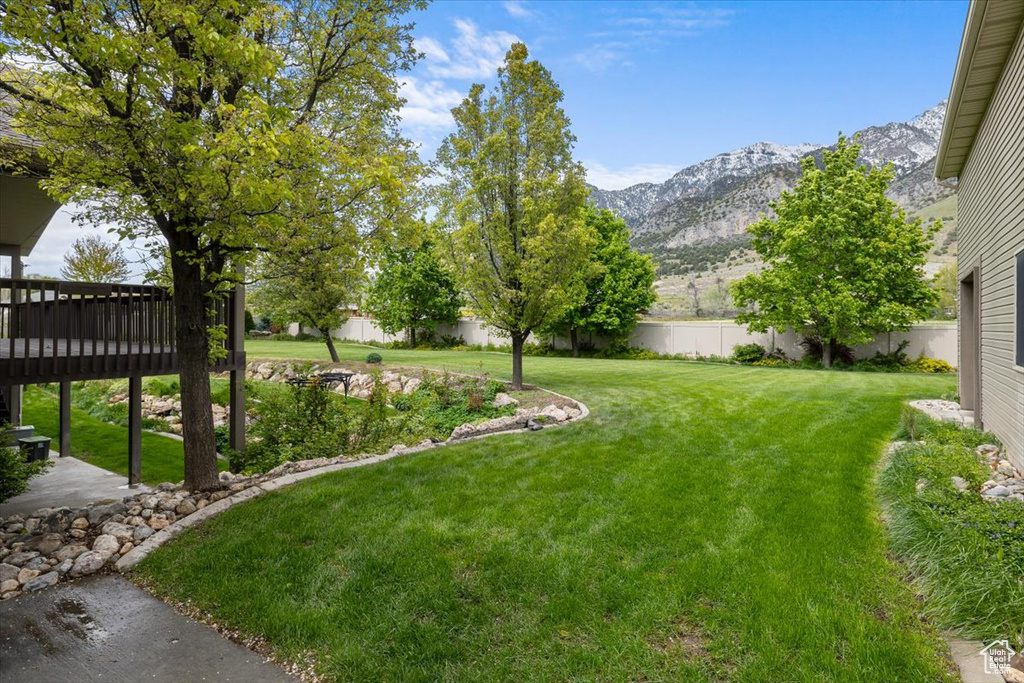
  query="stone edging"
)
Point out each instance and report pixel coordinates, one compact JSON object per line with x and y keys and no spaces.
{"x":148,"y":546}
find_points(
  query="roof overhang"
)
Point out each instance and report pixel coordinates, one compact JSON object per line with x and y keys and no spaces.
{"x":990,"y":34}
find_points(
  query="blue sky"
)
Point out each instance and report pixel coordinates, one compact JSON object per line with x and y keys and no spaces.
{"x":652,"y":87}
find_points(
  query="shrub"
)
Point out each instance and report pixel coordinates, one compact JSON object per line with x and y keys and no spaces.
{"x":933,"y":365}
{"x":748,"y":353}
{"x":305,"y":336}
{"x":374,"y":358}
{"x":14,"y":471}
{"x":770,"y":363}
{"x":305,"y":422}
{"x":222,"y":436}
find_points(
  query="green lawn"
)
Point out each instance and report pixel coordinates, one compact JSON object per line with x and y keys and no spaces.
{"x":706,"y":523}
{"x":106,"y":445}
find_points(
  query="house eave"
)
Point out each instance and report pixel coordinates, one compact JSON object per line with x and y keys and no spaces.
{"x":990,"y":33}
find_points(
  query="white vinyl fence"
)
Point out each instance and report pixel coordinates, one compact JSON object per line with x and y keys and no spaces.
{"x":690,"y":338}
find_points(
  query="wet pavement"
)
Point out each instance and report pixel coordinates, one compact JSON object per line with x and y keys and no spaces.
{"x":105,"y":628}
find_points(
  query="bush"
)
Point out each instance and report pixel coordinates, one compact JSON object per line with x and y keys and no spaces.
{"x":374,"y":358}
{"x":932,"y":365}
{"x":748,"y":353}
{"x":305,"y":422}
{"x":14,"y":471}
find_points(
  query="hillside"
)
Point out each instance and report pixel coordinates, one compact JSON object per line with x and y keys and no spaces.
{"x":694,"y":224}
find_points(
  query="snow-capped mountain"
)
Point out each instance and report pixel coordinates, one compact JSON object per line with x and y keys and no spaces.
{"x":717,"y":198}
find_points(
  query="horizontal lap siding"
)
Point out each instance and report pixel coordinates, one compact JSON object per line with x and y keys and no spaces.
{"x":991,"y":230}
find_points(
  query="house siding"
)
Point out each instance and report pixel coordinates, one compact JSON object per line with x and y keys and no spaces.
{"x":991,"y":232}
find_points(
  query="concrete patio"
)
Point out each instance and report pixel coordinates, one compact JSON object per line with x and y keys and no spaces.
{"x":70,"y":482}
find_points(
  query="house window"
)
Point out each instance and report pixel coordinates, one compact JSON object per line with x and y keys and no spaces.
{"x":1019,"y":335}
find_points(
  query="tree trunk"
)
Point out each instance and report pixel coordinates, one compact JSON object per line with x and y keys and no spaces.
{"x":574,"y":338}
{"x":193,"y":348}
{"x":412,"y":337}
{"x":517,"y":361}
{"x":826,"y":352}
{"x":330,"y":345}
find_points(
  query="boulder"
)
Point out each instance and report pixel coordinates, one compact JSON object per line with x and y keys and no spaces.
{"x":21,"y":558}
{"x":45,"y":543}
{"x":106,"y":544}
{"x":70,"y":552}
{"x":88,"y":563}
{"x":101,"y":513}
{"x":501,"y":399}
{"x":40,"y":582}
{"x":8,"y":572}
{"x":122,"y":532}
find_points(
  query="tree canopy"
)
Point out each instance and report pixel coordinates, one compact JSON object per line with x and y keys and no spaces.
{"x":619,"y":284}
{"x":514,"y":199}
{"x":218,"y":128}
{"x":93,"y":259}
{"x":841,"y":260}
{"x":413,"y":290}
{"x":312,"y":286}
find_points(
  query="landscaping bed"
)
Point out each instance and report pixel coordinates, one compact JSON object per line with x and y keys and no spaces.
{"x":955,"y":511}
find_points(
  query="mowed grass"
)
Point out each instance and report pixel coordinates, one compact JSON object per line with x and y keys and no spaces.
{"x":705,"y":523}
{"x":103,"y":444}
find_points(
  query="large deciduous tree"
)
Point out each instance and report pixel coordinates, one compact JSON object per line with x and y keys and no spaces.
{"x":219,"y":127}
{"x":514,"y":198}
{"x":93,"y":259}
{"x":842,"y":261}
{"x":412,"y":291}
{"x":619,"y":284}
{"x":313,"y":286}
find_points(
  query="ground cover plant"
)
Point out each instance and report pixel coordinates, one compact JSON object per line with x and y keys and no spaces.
{"x":106,"y":445}
{"x":706,"y":522}
{"x":966,"y":553}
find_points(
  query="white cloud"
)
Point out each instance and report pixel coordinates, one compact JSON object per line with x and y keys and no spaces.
{"x":517,"y":9}
{"x":473,"y":54}
{"x":432,"y":50}
{"x":428,"y":104}
{"x":597,"y":58}
{"x":604,"y":178}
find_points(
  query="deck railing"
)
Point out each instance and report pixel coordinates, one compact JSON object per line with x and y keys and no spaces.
{"x":52,"y":330}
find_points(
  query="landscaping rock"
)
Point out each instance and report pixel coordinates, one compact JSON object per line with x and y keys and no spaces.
{"x":959,"y":483}
{"x":40,"y":582}
{"x":106,"y":544}
{"x":80,"y":523}
{"x":9,"y":585}
{"x":186,"y":507}
{"x":64,"y":567}
{"x":26,"y":575}
{"x":58,"y":520}
{"x":70,"y":552}
{"x":998,"y":492}
{"x":158,"y":524}
{"x":20,"y":558}
{"x":501,"y":399}
{"x":555,"y":413}
{"x":101,"y":513}
{"x":8,"y":572}
{"x":142,"y":533}
{"x":45,"y":543}
{"x":122,"y":532}
{"x":37,"y":563}
{"x":88,"y":563}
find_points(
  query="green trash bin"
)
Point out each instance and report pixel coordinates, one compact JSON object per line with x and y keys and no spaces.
{"x":35,"y":447}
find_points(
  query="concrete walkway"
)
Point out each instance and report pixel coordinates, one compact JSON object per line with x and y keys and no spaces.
{"x":104,"y":628}
{"x":69,"y":482}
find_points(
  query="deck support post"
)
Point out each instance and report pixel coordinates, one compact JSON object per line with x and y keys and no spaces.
{"x":134,"y":431}
{"x":65,"y":419}
{"x":13,"y":392}
{"x":236,"y":419}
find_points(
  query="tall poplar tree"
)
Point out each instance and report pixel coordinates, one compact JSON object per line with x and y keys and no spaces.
{"x":220,"y":127}
{"x":514,"y":199}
